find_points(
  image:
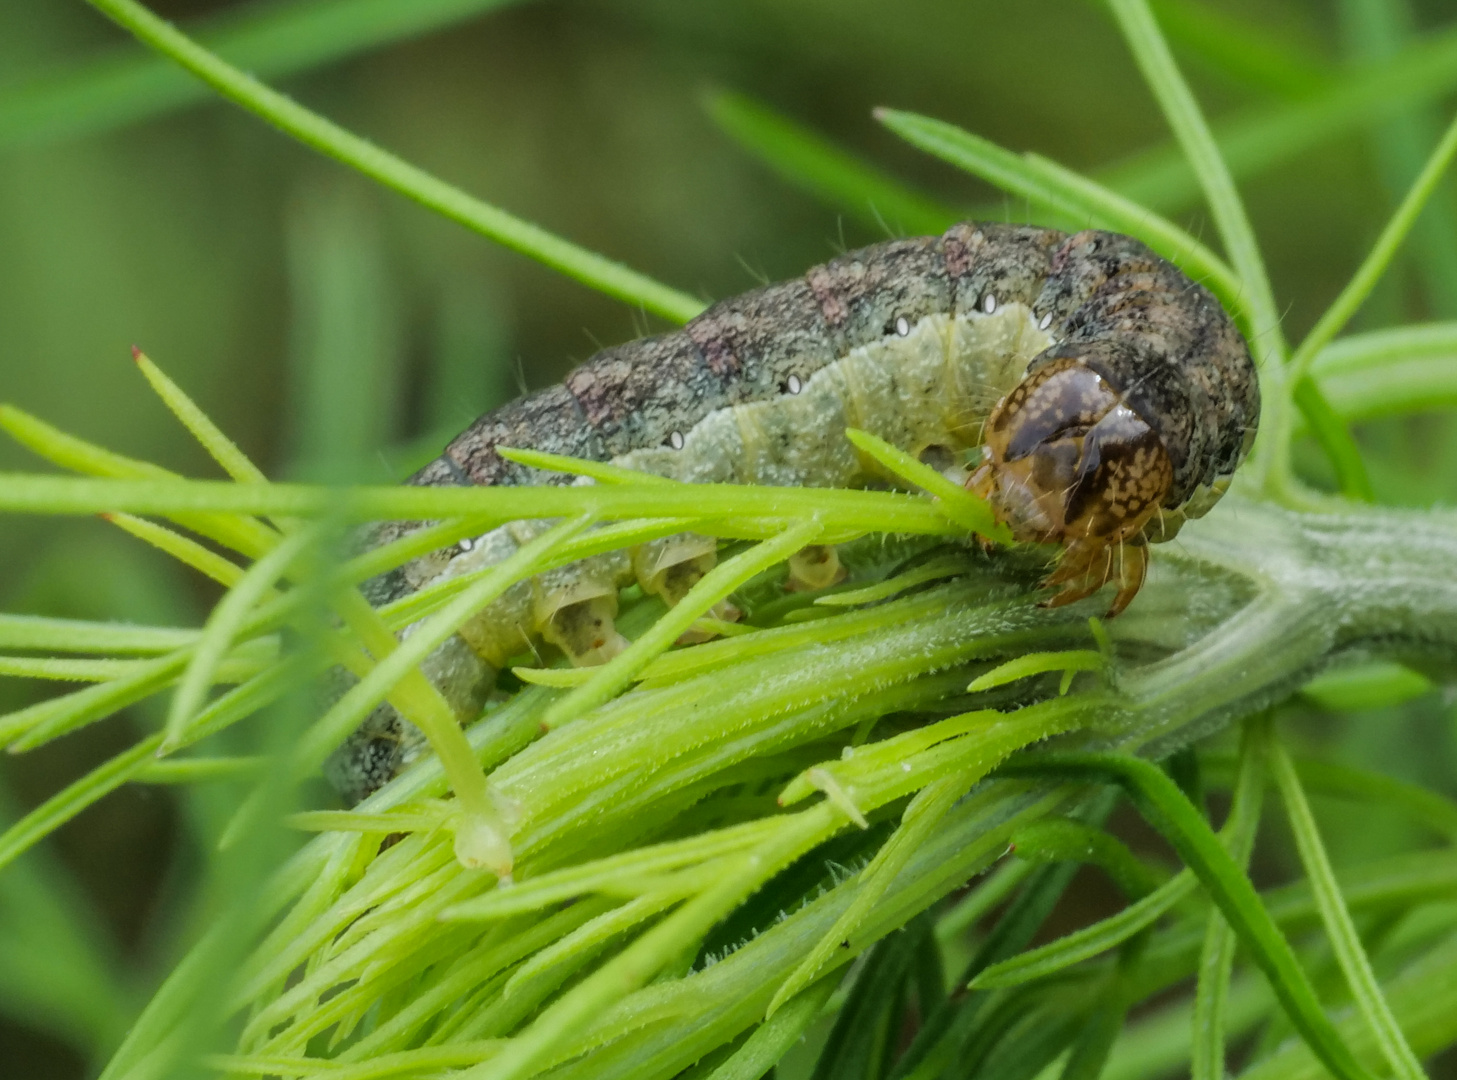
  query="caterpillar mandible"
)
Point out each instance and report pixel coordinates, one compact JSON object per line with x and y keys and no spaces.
{"x":1111,"y":398}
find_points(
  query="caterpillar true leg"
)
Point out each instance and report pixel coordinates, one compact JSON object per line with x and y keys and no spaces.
{"x":1132,"y":569}
{"x":1088,"y":565}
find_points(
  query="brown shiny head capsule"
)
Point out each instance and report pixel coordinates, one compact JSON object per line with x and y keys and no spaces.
{"x":1068,"y":461}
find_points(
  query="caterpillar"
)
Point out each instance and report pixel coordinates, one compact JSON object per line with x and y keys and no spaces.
{"x":1109,"y":398}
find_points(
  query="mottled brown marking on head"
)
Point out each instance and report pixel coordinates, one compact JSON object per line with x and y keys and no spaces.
{"x":1124,"y":477}
{"x":1069,"y":460}
{"x":1059,"y":399}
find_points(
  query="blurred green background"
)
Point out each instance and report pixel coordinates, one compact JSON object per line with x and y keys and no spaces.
{"x":268,"y":282}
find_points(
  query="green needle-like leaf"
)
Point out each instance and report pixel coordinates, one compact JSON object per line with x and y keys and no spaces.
{"x":1216,"y":958}
{"x":271,"y":40}
{"x":813,"y":163}
{"x":1338,"y":926}
{"x":1169,"y":811}
{"x":380,"y":165}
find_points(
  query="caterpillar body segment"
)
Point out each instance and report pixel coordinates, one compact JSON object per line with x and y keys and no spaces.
{"x":1110,"y":399}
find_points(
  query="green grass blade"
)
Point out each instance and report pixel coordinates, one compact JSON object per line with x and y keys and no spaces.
{"x":776,"y":1036}
{"x":1405,"y":369}
{"x":59,"y":969}
{"x":1390,"y":386}
{"x":481,"y":836}
{"x":645,"y":956}
{"x":27,"y":728}
{"x":271,"y":40}
{"x":1089,"y":1053}
{"x":41,"y":632}
{"x":312,"y":130}
{"x":1379,"y":258}
{"x":1334,"y":438}
{"x":841,"y":511}
{"x":244,"y":700}
{"x":626,"y":874}
{"x":1375,"y":31}
{"x":249,"y":537}
{"x":1060,"y":839}
{"x":66,"y":670}
{"x":1240,"y":51}
{"x":959,"y":504}
{"x":602,"y":471}
{"x":1266,"y":137}
{"x":1090,"y":941}
{"x":223,"y":625}
{"x":1121,"y":214}
{"x":1039,"y":663}
{"x":1423,"y":996}
{"x":1375,"y":684}
{"x":402,"y":612}
{"x":1355,"y":965}
{"x":814,"y":164}
{"x":934,"y":570}
{"x":866,"y":1030}
{"x":1193,"y":134}
{"x":944,"y":1032}
{"x":188,"y":552}
{"x":1433,"y":809}
{"x":1216,"y":957}
{"x":1077,"y":200}
{"x":1160,"y":800}
{"x":1191,"y":130}
{"x":983,"y":899}
{"x":222,"y":449}
{"x":925,"y":811}
{"x":198,"y":769}
{"x":240,"y":665}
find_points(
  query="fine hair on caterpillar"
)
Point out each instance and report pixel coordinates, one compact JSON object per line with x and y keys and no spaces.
{"x":1092,"y":393}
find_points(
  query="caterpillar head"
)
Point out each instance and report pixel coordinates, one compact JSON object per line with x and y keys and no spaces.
{"x":1068,"y":461}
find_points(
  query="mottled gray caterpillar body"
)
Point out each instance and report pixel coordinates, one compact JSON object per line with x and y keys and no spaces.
{"x":1110,"y":397}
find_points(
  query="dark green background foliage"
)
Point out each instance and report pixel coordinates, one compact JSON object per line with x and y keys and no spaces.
{"x":263,"y":278}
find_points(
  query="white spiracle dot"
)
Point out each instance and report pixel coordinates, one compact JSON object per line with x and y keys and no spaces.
{"x":989,"y":303}
{"x":466,"y":544}
{"x":793,"y":385}
{"x":1046,"y":321}
{"x":903,"y":326}
{"x":675,"y":440}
